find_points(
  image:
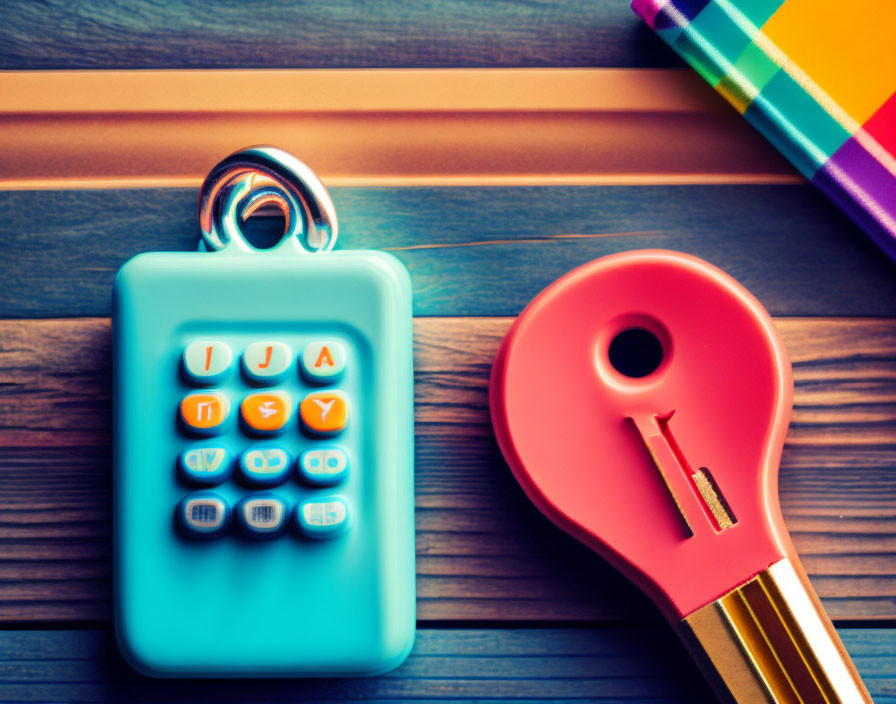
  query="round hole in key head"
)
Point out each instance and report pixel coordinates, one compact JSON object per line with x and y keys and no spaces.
{"x":635,"y":352}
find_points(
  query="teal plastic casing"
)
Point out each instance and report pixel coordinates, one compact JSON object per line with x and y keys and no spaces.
{"x":292,"y":606}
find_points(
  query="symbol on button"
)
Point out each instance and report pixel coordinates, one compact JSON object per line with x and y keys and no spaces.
{"x":324,"y":407}
{"x":324,"y":358}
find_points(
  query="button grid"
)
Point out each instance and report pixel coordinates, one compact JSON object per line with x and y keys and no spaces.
{"x":264,"y":415}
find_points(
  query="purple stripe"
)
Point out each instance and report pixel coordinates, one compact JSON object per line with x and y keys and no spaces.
{"x":647,"y":10}
{"x":864,"y":189}
{"x":689,"y":8}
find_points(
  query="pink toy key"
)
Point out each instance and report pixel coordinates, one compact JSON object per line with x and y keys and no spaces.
{"x":642,"y":402}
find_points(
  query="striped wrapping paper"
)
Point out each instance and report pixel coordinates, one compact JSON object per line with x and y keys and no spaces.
{"x":816,"y":77}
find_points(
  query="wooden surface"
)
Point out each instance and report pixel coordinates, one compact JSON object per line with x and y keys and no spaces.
{"x":602,"y":665}
{"x":799,"y":256}
{"x":510,"y":608}
{"x":482,"y":551}
{"x":105,"y":34}
{"x":398,"y":127}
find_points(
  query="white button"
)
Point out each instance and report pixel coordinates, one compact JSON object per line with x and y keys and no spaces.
{"x":266,"y":361}
{"x":320,"y":513}
{"x":324,"y":466}
{"x":322,"y":518}
{"x":266,"y":466}
{"x":203,"y":515}
{"x":207,"y":465}
{"x":323,"y":361}
{"x":207,"y":361}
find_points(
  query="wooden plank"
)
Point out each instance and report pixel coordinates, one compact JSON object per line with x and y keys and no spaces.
{"x":356,"y":92}
{"x":795,"y":251}
{"x":483,"y":551}
{"x":114,"y":129}
{"x":606,"y":665}
{"x":144,"y":34}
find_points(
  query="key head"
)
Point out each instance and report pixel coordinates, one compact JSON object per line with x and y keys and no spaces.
{"x":671,"y":475}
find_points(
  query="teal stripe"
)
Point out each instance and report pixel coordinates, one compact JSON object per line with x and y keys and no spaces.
{"x":719,"y":34}
{"x":758,"y":11}
{"x":796,"y":124}
{"x":712,"y":42}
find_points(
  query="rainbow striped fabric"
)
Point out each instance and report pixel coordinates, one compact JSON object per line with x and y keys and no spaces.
{"x":816,"y":77}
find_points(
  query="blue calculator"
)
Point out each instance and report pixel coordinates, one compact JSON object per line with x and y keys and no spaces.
{"x":264,"y":518}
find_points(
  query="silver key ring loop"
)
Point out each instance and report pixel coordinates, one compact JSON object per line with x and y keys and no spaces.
{"x":256,"y":176}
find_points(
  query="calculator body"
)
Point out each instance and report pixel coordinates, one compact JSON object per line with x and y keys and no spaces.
{"x":235,"y":605}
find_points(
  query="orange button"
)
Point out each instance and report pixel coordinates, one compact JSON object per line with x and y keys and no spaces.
{"x":204,"y":412}
{"x":266,"y":413}
{"x":324,"y":411}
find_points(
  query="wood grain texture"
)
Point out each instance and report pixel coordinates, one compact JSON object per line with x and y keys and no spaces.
{"x":59,"y":250}
{"x":600,"y":665}
{"x":107,"y":34}
{"x":389,"y":127}
{"x":483,"y":552}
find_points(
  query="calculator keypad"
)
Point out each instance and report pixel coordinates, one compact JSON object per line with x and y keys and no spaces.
{"x":261,"y":463}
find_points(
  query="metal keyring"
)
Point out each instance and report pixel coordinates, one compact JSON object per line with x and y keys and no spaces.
{"x":256,"y":176}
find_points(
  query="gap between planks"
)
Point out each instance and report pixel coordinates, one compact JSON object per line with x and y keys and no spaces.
{"x":844,"y":369}
{"x":483,"y":552}
{"x":612,"y":665}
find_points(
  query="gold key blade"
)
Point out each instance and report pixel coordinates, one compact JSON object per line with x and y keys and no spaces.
{"x":769,"y":641}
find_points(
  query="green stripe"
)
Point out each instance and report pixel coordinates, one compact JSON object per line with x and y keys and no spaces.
{"x":758,"y":11}
{"x":796,"y":124}
{"x":712,"y":42}
{"x":750,"y":74}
